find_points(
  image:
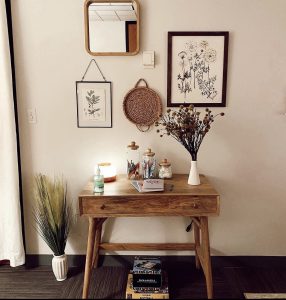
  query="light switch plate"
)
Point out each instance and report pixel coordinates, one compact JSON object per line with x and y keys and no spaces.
{"x":149,"y":59}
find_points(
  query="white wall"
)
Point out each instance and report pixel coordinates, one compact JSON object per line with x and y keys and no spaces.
{"x":244,"y":155}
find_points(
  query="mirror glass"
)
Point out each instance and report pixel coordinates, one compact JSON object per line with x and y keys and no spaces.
{"x":112,"y":27}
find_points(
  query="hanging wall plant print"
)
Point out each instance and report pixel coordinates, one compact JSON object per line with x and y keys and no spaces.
{"x":197,"y":68}
{"x":94,"y":107}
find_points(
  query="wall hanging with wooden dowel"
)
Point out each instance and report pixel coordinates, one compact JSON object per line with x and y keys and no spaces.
{"x":142,"y":106}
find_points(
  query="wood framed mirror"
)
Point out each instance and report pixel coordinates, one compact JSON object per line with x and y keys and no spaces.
{"x":112,"y":27}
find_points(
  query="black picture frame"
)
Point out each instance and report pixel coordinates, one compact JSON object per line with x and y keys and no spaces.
{"x":83,"y":122}
{"x":206,"y":85}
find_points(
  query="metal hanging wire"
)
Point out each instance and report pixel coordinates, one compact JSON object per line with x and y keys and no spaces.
{"x":93,"y":60}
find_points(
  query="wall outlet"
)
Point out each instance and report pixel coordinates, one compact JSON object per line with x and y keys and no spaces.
{"x":32,"y":115}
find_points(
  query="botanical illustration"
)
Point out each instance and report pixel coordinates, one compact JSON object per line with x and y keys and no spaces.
{"x":196,"y":72}
{"x":94,"y":106}
{"x":92,"y":101}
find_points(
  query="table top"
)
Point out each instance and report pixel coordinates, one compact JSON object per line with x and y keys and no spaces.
{"x":178,"y":185}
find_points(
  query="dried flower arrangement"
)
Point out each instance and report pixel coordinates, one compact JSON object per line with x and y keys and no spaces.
{"x":187,"y":127}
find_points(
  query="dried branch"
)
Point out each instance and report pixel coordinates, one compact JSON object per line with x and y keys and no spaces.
{"x":186,"y":126}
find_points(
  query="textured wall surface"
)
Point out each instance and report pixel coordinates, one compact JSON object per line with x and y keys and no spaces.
{"x":244,"y":155}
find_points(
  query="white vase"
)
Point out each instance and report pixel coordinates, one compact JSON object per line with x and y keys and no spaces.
{"x":60,"y":267}
{"x":194,"y":177}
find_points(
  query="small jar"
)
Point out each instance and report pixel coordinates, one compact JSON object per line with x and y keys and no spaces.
{"x":149,"y":164}
{"x":165,"y":169}
{"x":133,"y":161}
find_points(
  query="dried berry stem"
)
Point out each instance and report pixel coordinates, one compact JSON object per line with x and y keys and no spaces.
{"x":186,"y":126}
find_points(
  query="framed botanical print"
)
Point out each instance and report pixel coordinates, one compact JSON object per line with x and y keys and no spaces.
{"x":197,"y":68}
{"x":94,"y":104}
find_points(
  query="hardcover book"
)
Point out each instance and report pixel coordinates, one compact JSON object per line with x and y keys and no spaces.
{"x":147,"y":272}
{"x":148,"y":185}
{"x":147,"y":265}
{"x":147,"y":280}
{"x":132,"y":293}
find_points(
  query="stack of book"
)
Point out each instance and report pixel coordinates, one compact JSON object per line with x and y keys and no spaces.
{"x":147,"y":280}
{"x":148,"y":185}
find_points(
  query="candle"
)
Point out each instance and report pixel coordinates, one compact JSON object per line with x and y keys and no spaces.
{"x":108,"y":171}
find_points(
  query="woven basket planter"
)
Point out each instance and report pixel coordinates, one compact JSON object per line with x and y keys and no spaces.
{"x":142,"y":106}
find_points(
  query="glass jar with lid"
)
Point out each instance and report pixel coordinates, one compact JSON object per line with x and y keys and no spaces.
{"x":149,"y":164}
{"x":165,"y":169}
{"x":133,"y":161}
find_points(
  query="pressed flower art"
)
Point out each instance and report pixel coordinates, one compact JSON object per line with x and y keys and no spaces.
{"x":94,"y":104}
{"x":197,"y":68}
{"x":94,"y":108}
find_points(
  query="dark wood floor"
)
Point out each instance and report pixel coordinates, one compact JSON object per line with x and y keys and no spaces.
{"x":109,"y":282}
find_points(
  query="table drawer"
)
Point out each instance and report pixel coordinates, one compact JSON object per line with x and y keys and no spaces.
{"x":148,"y":206}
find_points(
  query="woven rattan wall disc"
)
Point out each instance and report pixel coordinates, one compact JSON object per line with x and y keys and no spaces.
{"x":142,"y":106}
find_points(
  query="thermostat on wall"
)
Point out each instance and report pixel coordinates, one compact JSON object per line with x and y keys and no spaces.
{"x":149,"y":59}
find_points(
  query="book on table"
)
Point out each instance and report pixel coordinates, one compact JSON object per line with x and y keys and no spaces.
{"x":148,"y":185}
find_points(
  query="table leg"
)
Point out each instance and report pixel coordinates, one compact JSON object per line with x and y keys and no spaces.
{"x":96,"y":245}
{"x":197,"y":243}
{"x":206,"y":256}
{"x":89,"y":256}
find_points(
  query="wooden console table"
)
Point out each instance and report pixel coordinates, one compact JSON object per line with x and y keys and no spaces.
{"x":120,"y":199}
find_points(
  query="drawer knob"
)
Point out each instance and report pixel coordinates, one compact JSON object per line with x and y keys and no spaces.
{"x":195,"y":205}
{"x":102,"y":206}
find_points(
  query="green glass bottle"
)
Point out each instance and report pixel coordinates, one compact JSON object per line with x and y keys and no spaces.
{"x":98,"y":182}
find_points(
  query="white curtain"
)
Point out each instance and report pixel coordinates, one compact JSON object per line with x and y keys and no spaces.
{"x":11,"y":242}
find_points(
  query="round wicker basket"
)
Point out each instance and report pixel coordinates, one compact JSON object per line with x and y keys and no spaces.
{"x":142,"y":106}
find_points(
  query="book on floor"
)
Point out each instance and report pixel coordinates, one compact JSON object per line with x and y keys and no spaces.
{"x":147,"y":265}
{"x":147,"y":272}
{"x":147,"y":293}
